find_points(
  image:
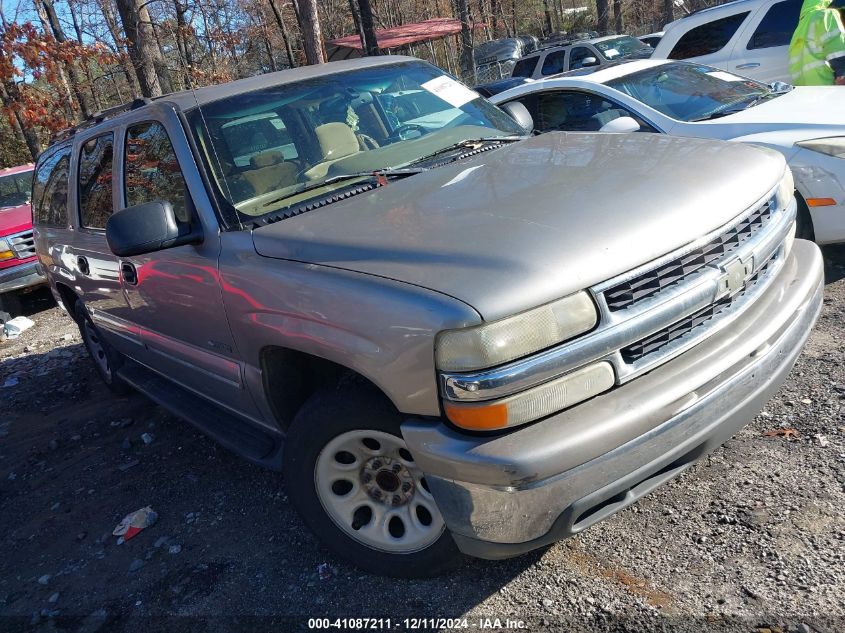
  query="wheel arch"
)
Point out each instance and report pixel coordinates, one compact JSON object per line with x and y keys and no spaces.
{"x":290,"y":377}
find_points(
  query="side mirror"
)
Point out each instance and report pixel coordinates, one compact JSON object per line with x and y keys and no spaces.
{"x":621,"y":124}
{"x":589,"y":61}
{"x":146,"y":228}
{"x":519,"y":113}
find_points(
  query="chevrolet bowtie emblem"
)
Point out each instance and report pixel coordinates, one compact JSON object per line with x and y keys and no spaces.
{"x":735,"y":274}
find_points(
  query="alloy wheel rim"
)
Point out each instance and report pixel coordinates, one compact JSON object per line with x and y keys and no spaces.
{"x":370,"y":486}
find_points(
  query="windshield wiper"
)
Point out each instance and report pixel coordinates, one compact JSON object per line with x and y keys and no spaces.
{"x":376,"y":176}
{"x":470,"y":143}
{"x":732,"y":109}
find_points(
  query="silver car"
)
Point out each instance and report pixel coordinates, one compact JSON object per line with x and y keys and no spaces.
{"x":452,"y":337}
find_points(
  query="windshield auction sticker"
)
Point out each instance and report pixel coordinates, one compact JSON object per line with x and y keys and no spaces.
{"x":452,"y":92}
{"x":720,"y":74}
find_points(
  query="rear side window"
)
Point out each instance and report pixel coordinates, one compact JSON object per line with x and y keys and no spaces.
{"x":151,"y":169}
{"x":49,"y":189}
{"x":778,"y":25}
{"x":95,"y":181}
{"x":708,"y":38}
{"x":525,"y":67}
{"x":553,"y":63}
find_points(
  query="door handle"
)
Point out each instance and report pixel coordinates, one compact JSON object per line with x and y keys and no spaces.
{"x":128,"y":272}
{"x":82,"y":264}
{"x":748,"y":65}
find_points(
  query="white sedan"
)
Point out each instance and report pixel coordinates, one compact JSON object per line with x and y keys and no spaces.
{"x":805,"y":124}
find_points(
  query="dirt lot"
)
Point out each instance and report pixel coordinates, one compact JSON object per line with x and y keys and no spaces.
{"x":751,"y":539}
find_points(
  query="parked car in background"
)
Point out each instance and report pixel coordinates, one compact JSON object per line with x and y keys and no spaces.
{"x":451,"y":338}
{"x":495,"y":87}
{"x":19,"y":270}
{"x":596,"y":51}
{"x":747,"y":37}
{"x":652,"y":39}
{"x":495,"y":59}
{"x":805,"y":124}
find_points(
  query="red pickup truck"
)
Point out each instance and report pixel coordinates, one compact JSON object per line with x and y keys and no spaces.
{"x":19,"y":269}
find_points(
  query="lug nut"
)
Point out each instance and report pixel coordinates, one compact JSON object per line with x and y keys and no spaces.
{"x":397,"y":468}
{"x":377,"y":464}
{"x":397,"y":500}
{"x":406,"y":486}
{"x":367,"y":478}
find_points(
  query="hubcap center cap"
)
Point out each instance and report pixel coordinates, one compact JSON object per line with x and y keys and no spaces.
{"x":388,"y":481}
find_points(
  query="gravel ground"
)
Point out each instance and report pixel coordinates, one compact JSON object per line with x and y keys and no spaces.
{"x":751,"y":539}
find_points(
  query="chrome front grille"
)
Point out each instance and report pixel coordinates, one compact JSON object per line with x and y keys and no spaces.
{"x":688,"y":324}
{"x":741,"y":257}
{"x":649,"y":283}
{"x":23,"y":244}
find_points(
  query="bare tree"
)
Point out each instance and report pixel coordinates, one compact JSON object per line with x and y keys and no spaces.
{"x":368,"y":28}
{"x":668,"y":11}
{"x":619,"y":21}
{"x":603,"y":16}
{"x":467,"y":57}
{"x":312,"y":37}
{"x":143,"y":48}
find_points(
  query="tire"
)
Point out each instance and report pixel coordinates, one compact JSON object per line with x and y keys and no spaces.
{"x":106,"y":360}
{"x":11,"y":302}
{"x":804,"y":222}
{"x":352,"y":480}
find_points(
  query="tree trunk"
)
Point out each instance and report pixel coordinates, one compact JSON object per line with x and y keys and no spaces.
{"x":284,"y":29}
{"x":548,"y":17}
{"x":11,"y":98}
{"x":668,"y":11}
{"x":182,"y":29}
{"x":619,"y":23}
{"x":368,"y":27}
{"x":48,"y":14}
{"x":129,"y":72}
{"x":356,"y":18}
{"x":312,"y":37}
{"x":143,"y":49}
{"x":494,"y":18}
{"x":603,"y":15}
{"x":467,"y":57}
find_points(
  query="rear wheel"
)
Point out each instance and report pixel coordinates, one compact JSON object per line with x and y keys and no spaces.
{"x":106,"y":360}
{"x":354,"y":482}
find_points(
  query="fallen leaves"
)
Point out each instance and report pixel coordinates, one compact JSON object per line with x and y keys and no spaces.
{"x":787,"y":433}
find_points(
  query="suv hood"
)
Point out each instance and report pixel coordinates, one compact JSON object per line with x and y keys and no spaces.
{"x":518,"y":226}
{"x":15,"y":219}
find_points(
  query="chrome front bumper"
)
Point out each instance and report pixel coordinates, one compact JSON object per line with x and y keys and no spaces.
{"x":19,"y":277}
{"x":506,"y":494}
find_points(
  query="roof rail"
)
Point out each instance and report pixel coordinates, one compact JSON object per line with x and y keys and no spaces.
{"x":714,"y":6}
{"x":97,"y":118}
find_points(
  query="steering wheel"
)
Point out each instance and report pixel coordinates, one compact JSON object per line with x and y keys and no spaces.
{"x":398,"y":133}
{"x":368,"y":141}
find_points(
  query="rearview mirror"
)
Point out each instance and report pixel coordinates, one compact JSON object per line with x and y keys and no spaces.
{"x":621,"y":124}
{"x":146,"y":228}
{"x":519,"y":113}
{"x":589,"y":61}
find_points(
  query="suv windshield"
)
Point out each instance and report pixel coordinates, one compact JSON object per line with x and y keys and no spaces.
{"x":623,"y":46}
{"x":15,"y":189}
{"x":690,"y":92}
{"x":272,"y":148}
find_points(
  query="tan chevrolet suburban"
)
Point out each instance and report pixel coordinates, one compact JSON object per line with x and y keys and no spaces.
{"x":449,"y":335}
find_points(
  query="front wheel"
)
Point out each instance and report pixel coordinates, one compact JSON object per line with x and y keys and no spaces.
{"x":352,"y":479}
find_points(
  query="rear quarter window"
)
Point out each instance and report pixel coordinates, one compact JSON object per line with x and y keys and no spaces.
{"x":709,"y":38}
{"x":49,"y":189}
{"x":777,"y":26}
{"x":525,"y":67}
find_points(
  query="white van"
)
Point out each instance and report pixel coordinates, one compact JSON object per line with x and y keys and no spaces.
{"x":748,"y":37}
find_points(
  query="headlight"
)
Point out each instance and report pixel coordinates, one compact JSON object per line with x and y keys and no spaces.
{"x":786,"y":190}
{"x":535,"y":403}
{"x":832,"y":146}
{"x":501,"y":341}
{"x":5,"y":250}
